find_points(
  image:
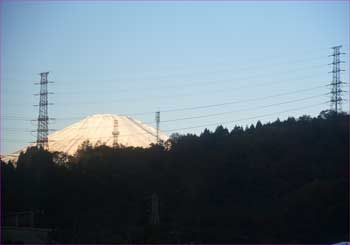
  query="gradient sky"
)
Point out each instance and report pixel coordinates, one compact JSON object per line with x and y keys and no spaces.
{"x":138,"y":57}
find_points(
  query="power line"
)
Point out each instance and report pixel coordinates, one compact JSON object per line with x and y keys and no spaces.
{"x":218,"y":104}
{"x":176,"y":84}
{"x":256,"y":66}
{"x":201,"y":83}
{"x":177,"y":95}
{"x":219,"y":123}
{"x":216,"y":114}
{"x":228,"y":112}
{"x":242,"y":119}
{"x":166,"y":96}
{"x":241,"y":101}
{"x":200,"y":106}
{"x":215,"y":105}
{"x":201,"y":126}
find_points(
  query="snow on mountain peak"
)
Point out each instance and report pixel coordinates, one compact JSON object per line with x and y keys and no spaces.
{"x":99,"y":128}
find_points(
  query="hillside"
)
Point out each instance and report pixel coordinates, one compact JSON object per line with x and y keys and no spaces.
{"x":281,"y":182}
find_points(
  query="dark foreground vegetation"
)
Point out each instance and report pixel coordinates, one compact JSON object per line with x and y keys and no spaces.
{"x":282,"y":182}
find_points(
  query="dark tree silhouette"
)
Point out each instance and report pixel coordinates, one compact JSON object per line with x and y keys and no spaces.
{"x":280,"y":182}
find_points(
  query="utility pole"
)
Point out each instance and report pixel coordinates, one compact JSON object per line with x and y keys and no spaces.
{"x":157,"y":125}
{"x":336,"y":91}
{"x":115,"y":134}
{"x":43,"y":118}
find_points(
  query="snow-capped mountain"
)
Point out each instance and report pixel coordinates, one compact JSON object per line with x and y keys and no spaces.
{"x":99,"y":128}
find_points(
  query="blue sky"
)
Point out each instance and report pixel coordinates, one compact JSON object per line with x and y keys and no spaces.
{"x":138,"y":57}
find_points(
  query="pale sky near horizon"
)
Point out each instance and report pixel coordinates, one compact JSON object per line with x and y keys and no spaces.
{"x":137,"y":57}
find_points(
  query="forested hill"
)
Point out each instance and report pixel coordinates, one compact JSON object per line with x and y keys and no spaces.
{"x":281,"y":182}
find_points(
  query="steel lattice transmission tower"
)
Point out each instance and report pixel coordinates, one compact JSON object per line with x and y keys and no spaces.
{"x":336,"y":91}
{"x":43,"y":118}
{"x":154,"y":218}
{"x":115,"y":134}
{"x":157,"y":125}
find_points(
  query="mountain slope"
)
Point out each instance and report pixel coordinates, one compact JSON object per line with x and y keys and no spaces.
{"x":99,"y":128}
